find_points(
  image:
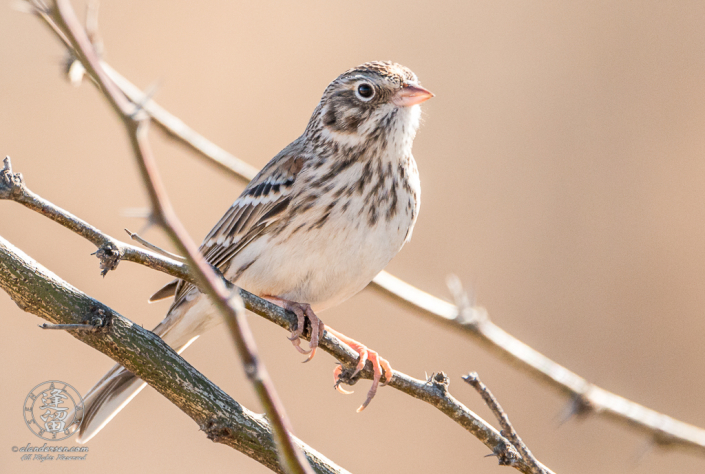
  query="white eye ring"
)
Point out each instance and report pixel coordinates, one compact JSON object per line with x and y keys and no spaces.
{"x":364,"y":91}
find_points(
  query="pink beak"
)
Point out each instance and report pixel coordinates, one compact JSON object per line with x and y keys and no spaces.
{"x":411,"y":95}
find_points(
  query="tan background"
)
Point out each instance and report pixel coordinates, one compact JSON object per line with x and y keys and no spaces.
{"x":562,"y":169}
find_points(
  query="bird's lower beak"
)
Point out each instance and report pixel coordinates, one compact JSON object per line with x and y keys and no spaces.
{"x":411,"y":95}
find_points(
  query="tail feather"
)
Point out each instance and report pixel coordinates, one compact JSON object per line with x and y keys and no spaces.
{"x":106,"y":399}
{"x":110,"y":395}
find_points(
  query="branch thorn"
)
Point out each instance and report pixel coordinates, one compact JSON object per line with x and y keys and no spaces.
{"x":134,"y":236}
{"x":78,"y":327}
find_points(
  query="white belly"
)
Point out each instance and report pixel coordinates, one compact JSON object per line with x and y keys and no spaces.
{"x":325,"y":266}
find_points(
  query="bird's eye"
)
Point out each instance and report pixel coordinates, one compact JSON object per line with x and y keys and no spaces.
{"x":365,"y":91}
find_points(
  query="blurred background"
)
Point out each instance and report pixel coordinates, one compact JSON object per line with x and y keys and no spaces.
{"x":562,"y":170}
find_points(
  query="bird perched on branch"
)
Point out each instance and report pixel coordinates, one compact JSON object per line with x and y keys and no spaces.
{"x":313,"y":228}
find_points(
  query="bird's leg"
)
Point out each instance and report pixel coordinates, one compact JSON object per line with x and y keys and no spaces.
{"x":302,"y":311}
{"x":300,"y":325}
{"x":378,"y":365}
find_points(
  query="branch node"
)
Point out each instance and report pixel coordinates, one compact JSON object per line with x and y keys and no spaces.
{"x":662,"y":439}
{"x":109,"y":256}
{"x":347,"y":376}
{"x":11,"y":184}
{"x":215,"y":430}
{"x":98,"y":318}
{"x":251,"y":370}
{"x":507,"y":455}
{"x":97,"y":322}
{"x":440,"y":381}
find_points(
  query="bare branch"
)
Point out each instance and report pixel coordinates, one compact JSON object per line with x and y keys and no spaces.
{"x":110,"y":250}
{"x":433,"y":391}
{"x":587,"y":398}
{"x":39,"y":291}
{"x":508,"y":430}
{"x":230,"y":307}
{"x":177,"y":130}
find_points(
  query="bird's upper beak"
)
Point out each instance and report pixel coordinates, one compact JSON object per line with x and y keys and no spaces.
{"x":411,"y":95}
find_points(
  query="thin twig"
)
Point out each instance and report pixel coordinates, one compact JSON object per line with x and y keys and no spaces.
{"x":39,"y":291}
{"x":154,"y":248}
{"x":64,"y":327}
{"x":508,"y":430}
{"x":292,"y":458}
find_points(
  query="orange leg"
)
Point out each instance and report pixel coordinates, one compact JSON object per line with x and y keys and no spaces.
{"x":378,"y":364}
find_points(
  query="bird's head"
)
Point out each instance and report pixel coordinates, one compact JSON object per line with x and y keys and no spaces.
{"x":379,"y":99}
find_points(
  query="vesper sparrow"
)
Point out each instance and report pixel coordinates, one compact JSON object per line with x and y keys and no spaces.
{"x":313,"y":228}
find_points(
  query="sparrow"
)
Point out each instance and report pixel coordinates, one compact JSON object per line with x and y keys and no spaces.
{"x":312,"y":229}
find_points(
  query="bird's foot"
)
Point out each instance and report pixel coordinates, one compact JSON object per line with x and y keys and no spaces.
{"x":302,"y":311}
{"x":380,"y":366}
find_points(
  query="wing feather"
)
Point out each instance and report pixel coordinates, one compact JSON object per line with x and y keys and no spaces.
{"x":261,"y":204}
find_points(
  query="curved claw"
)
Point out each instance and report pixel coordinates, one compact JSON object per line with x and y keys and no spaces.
{"x":336,"y":377}
{"x":342,"y":390}
{"x":297,"y":345}
{"x":377,"y":369}
{"x":370,"y":396}
{"x":313,"y":353}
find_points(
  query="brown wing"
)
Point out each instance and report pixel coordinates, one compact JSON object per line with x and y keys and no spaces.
{"x":262,"y":203}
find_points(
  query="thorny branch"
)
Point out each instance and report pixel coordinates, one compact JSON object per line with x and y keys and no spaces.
{"x":110,"y":250}
{"x":230,"y":307}
{"x":586,"y":398}
{"x":508,"y":430}
{"x":433,"y":391}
